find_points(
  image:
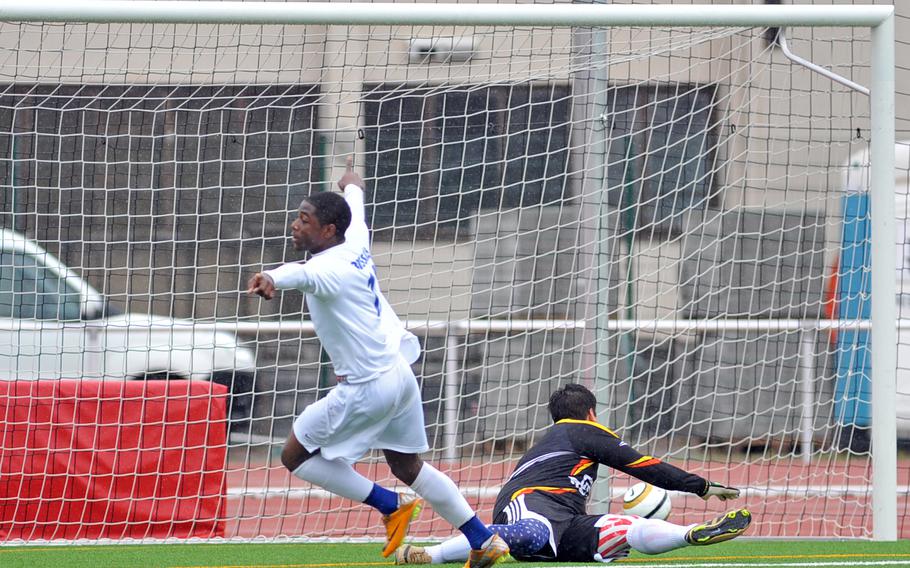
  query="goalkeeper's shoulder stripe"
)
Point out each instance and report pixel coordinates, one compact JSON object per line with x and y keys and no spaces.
{"x":589,"y":423}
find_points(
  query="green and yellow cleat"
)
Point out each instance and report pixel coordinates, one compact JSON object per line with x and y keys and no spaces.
{"x":727,"y":526}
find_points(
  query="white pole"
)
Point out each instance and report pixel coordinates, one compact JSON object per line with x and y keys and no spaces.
{"x":450,"y":399}
{"x":441,"y":328}
{"x":884,"y":288}
{"x":785,"y":49}
{"x":387,"y":13}
{"x":594,"y":191}
{"x":807,"y":339}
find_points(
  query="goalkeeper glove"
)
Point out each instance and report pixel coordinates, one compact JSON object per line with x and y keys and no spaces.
{"x":722,"y":492}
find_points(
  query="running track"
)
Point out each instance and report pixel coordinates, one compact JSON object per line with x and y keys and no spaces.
{"x":786,"y":500}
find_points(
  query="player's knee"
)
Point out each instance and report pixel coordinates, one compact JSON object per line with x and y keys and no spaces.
{"x":405,"y":467}
{"x":289,"y":460}
{"x":611,"y":540}
{"x":292,"y":456}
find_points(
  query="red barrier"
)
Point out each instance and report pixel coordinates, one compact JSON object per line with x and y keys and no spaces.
{"x":114,"y":459}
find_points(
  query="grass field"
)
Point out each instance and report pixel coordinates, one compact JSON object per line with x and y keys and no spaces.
{"x":804,"y":554}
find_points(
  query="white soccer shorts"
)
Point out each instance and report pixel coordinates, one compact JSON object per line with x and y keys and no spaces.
{"x":385,"y":413}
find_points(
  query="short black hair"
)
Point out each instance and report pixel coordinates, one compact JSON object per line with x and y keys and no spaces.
{"x":331,"y":209}
{"x":571,"y":401}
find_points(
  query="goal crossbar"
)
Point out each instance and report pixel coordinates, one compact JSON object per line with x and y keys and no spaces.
{"x":554,"y":15}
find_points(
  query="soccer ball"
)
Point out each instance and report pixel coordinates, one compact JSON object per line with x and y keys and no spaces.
{"x":644,"y":500}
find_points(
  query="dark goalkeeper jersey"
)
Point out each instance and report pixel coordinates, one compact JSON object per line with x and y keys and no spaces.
{"x":562,"y":467}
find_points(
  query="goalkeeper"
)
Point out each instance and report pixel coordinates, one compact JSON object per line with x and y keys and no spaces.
{"x":540,"y":511}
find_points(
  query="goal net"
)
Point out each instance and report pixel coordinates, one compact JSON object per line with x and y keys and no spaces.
{"x":668,"y":216}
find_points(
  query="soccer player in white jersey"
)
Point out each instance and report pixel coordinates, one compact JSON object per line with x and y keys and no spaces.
{"x":376,"y":403}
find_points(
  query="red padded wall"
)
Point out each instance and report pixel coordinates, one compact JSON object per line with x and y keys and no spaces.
{"x":112,"y":459}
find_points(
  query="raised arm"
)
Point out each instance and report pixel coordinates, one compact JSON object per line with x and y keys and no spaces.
{"x":352,"y":185}
{"x":357,"y":233}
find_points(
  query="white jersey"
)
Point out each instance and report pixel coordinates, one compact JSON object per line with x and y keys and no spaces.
{"x":353,"y":320}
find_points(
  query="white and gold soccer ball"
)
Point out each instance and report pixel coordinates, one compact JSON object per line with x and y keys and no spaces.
{"x":646,"y":500}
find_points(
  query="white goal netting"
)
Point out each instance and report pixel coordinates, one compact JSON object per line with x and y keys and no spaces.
{"x":662,"y":215}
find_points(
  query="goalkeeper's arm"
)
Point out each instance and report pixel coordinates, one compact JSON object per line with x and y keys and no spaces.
{"x":661,"y":474}
{"x":606,"y":447}
{"x":671,"y":477}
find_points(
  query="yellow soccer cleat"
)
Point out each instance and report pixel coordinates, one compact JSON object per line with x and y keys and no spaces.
{"x":727,"y":526}
{"x":495,"y":550}
{"x":397,"y":523}
{"x":410,"y":554}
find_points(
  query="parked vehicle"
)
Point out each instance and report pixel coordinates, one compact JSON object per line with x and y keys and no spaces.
{"x":54,"y":325}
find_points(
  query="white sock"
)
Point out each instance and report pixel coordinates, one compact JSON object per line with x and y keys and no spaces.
{"x":456,"y":549}
{"x":442,"y":494}
{"x":653,"y":536}
{"x":335,"y":476}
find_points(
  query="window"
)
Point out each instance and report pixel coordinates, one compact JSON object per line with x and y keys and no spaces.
{"x":164,"y":189}
{"x":437,"y":156}
{"x":662,"y":144}
{"x":105,"y":151}
{"x":29,"y":290}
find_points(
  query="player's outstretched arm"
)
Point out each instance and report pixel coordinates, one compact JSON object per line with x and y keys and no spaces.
{"x":261,"y":285}
{"x":350,"y":177}
{"x":353,"y":187}
{"x":722,"y":492}
{"x":605,"y":447}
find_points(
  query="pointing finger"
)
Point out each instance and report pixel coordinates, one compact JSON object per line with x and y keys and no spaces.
{"x":350,"y":163}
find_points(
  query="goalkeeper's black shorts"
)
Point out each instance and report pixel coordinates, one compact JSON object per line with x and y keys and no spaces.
{"x":576,"y":538}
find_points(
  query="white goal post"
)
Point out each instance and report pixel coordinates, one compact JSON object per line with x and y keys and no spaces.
{"x":882,"y":322}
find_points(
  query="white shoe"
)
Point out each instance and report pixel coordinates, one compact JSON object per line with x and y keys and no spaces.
{"x":410,"y":554}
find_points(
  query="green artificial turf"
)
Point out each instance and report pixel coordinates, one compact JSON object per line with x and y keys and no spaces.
{"x":321,"y":555}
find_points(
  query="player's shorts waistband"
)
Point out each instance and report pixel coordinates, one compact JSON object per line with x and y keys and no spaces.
{"x":350,"y":379}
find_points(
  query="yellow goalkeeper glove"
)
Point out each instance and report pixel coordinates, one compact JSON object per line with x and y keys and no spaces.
{"x":722,"y":492}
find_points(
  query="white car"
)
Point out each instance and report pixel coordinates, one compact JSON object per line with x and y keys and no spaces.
{"x":54,"y":325}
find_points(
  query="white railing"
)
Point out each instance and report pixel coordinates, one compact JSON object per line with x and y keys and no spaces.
{"x":456,"y":329}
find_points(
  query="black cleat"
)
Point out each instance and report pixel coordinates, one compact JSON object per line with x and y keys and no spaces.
{"x":727,"y":526}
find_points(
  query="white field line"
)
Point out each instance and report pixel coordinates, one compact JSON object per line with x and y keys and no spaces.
{"x":491,"y":492}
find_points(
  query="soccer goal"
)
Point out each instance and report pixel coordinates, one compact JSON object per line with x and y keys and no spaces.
{"x":686,"y":208}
